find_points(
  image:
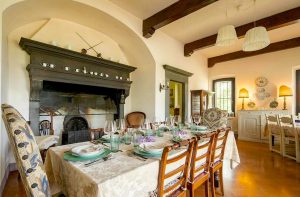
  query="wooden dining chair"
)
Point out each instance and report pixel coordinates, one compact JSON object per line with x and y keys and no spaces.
{"x":174,"y":170}
{"x":135,"y":119}
{"x":200,"y":164}
{"x":44,"y":127}
{"x":290,"y":137}
{"x":217,"y":159}
{"x":275,"y":134}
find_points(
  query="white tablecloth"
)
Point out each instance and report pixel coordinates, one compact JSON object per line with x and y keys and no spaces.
{"x":123,"y":175}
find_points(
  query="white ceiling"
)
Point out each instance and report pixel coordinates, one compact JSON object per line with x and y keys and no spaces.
{"x":208,"y":20}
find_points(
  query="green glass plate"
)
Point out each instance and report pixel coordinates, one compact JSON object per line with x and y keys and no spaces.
{"x":146,"y":154}
{"x":70,"y":157}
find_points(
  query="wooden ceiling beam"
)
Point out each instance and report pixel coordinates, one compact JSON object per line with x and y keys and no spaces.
{"x":172,"y":13}
{"x":277,"y":46}
{"x":272,"y":22}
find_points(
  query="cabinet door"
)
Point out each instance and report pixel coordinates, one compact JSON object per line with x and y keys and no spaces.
{"x":263,"y":127}
{"x":251,"y":126}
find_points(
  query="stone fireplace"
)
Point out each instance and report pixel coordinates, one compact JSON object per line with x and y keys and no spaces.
{"x":82,"y":91}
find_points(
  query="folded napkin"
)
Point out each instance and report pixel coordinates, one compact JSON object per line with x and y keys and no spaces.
{"x":91,"y":149}
{"x":45,"y":141}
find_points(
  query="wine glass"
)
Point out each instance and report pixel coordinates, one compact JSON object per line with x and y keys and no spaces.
{"x":156,"y":122}
{"x":110,"y":127}
{"x":121,"y":125}
{"x":146,"y":125}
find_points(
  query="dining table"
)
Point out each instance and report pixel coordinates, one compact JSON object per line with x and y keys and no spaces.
{"x":123,"y":174}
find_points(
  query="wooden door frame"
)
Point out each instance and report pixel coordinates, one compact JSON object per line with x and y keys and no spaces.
{"x":181,"y":76}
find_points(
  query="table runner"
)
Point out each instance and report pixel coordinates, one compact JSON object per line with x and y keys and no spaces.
{"x":121,"y":176}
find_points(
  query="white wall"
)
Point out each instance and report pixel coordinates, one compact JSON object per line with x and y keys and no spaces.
{"x":278,"y":67}
{"x":167,"y":50}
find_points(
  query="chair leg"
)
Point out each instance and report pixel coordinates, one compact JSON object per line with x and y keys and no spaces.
{"x":212,"y":182}
{"x":191,"y":190}
{"x":207,"y":188}
{"x":282,"y":146}
{"x":297,"y":150}
{"x":221,"y":181}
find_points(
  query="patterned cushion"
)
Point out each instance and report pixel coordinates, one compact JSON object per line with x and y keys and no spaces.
{"x":26,"y":152}
{"x":214,"y":118}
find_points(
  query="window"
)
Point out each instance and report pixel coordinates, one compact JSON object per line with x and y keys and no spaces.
{"x":225,"y":94}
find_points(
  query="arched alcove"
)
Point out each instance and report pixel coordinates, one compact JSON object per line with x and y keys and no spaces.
{"x":132,"y":45}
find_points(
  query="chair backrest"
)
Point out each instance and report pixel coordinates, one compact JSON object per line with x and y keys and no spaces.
{"x":273,"y":123}
{"x":214,"y":118}
{"x":26,"y":152}
{"x":135,"y":119}
{"x":45,"y":127}
{"x":201,"y":156}
{"x":287,"y":125}
{"x":219,"y":144}
{"x":174,"y":169}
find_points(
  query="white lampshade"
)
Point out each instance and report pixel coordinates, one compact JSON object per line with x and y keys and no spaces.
{"x":226,"y":36}
{"x":256,"y":38}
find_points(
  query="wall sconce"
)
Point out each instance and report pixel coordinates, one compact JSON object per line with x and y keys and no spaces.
{"x":164,"y":87}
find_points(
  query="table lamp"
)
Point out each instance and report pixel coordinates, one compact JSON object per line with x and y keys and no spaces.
{"x":243,"y":94}
{"x":285,"y":91}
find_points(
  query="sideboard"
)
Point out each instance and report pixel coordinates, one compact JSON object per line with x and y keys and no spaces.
{"x":252,"y":123}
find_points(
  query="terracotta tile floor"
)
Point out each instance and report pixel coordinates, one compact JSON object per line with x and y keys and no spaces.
{"x":260,"y":174}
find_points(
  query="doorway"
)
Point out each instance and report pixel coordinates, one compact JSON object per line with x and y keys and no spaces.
{"x":180,"y":77}
{"x":176,"y":99}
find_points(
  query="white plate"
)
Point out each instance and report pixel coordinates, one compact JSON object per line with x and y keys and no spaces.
{"x":87,"y":150}
{"x":153,"y":147}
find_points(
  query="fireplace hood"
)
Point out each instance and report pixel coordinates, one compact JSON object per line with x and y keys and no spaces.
{"x":50,"y":63}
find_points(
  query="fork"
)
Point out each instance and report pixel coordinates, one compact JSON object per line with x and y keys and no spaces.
{"x":108,"y":157}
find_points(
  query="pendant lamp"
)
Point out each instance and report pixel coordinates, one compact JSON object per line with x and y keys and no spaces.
{"x":226,"y":36}
{"x":256,"y":38}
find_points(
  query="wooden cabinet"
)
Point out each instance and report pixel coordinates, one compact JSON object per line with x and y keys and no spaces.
{"x":252,"y":123}
{"x":198,"y":101}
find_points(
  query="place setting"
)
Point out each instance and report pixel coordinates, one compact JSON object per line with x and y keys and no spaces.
{"x":88,"y":154}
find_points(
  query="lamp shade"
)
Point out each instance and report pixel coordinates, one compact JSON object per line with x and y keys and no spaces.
{"x":226,"y":36}
{"x":243,"y":93}
{"x":256,"y":38}
{"x":285,"y":91}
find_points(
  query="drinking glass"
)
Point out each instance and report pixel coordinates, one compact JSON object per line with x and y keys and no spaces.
{"x":127,"y":138}
{"x":160,"y":132}
{"x":114,"y":142}
{"x":137,"y":139}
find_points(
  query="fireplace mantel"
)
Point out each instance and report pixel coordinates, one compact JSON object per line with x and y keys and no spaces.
{"x":56,"y":64}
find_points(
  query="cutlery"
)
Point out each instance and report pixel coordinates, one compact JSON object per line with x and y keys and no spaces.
{"x":137,"y":156}
{"x":100,"y":160}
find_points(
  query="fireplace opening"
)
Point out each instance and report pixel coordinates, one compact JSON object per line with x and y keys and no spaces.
{"x":78,"y":109}
{"x":76,"y":129}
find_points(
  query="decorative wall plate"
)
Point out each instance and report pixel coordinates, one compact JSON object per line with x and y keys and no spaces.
{"x":251,"y":104}
{"x":261,"y":81}
{"x":273,"y":104}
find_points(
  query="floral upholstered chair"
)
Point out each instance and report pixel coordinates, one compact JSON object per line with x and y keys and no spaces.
{"x":26,"y":153}
{"x":214,"y":118}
